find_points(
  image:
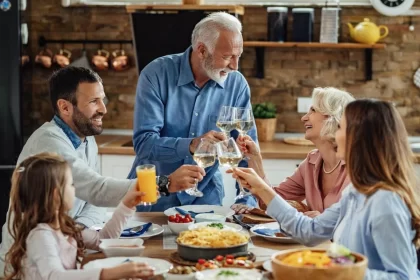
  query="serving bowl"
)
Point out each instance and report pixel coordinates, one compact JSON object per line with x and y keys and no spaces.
{"x":194,"y":253}
{"x":281,"y":270}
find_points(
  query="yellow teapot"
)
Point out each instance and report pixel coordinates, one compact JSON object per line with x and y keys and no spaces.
{"x":367,"y":32}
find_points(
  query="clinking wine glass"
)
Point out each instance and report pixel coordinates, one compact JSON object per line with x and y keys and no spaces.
{"x":244,"y":120}
{"x":230,"y":155}
{"x":204,"y":156}
{"x":226,"y":120}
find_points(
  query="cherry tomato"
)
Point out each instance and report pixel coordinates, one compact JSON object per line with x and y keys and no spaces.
{"x":188,"y":216}
{"x":229,"y":261}
{"x":230,"y":257}
{"x":172,"y":219}
{"x":177,"y":220}
{"x":201,"y":261}
{"x":220,"y":258}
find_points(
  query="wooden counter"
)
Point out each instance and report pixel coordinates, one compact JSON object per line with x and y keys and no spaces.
{"x":122,"y":145}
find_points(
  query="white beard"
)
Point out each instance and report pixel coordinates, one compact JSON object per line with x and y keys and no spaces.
{"x":214,"y":74}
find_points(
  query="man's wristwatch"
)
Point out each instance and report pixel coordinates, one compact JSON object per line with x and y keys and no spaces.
{"x":163,"y":185}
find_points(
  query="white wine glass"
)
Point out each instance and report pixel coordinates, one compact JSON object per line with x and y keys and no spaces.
{"x":230,"y":155}
{"x":244,"y":120}
{"x":204,"y":156}
{"x":226,"y":119}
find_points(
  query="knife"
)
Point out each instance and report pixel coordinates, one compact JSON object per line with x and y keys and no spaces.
{"x":238,"y":221}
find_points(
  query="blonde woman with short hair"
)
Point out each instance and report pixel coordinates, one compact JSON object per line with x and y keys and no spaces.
{"x":321,"y":177}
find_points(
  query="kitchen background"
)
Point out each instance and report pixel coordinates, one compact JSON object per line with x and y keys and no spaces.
{"x":289,"y":73}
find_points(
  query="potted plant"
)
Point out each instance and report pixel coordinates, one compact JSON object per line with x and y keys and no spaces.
{"x":265,"y":120}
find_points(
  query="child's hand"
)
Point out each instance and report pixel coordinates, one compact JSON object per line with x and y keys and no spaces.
{"x":133,"y":197}
{"x":128,"y":270}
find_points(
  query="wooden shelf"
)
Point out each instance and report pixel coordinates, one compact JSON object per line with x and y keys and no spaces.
{"x":233,"y":9}
{"x":312,"y":45}
{"x":261,"y":45}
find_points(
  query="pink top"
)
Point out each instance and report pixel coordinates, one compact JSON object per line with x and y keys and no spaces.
{"x":304,"y":184}
{"x":51,"y":255}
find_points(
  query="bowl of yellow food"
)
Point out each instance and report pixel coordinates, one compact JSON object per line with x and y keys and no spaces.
{"x":336,"y":263}
{"x":207,"y":243}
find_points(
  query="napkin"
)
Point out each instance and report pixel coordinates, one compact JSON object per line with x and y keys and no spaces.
{"x":267,"y":231}
{"x":127,"y":233}
{"x":192,"y":213}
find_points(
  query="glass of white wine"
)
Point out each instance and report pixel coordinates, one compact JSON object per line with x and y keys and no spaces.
{"x":226,"y":119}
{"x":230,"y":155}
{"x":204,"y":156}
{"x":244,"y":120}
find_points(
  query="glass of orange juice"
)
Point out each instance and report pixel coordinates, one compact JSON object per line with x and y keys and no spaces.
{"x":146,"y":182}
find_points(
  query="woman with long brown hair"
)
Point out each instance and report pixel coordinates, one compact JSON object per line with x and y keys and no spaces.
{"x":47,"y":243}
{"x":379,"y":214}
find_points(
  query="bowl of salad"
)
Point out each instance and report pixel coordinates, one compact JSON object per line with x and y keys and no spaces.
{"x":337,"y":262}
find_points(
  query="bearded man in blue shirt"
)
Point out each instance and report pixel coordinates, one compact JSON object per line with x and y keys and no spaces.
{"x":178,"y":99}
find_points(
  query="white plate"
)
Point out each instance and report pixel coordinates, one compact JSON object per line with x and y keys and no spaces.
{"x":267,"y":266}
{"x":225,"y":211}
{"x":244,"y":274}
{"x":273,"y":225}
{"x":161,"y":266}
{"x":152,"y":231}
{"x":226,"y":226}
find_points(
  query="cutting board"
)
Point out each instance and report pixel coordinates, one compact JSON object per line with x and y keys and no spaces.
{"x":298,"y":141}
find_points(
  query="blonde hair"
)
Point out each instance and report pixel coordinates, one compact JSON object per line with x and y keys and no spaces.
{"x":207,"y":31}
{"x":331,"y":102}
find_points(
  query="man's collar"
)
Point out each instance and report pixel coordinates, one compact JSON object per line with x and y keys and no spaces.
{"x":75,"y":140}
{"x":186,"y":75}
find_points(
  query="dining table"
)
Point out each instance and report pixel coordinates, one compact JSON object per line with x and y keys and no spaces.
{"x":261,"y":248}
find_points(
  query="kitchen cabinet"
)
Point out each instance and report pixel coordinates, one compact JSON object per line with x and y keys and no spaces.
{"x":417,"y":170}
{"x":277,"y":170}
{"x":116,"y":166}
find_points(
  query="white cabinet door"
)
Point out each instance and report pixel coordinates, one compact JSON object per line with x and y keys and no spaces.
{"x":417,"y":169}
{"x":116,"y":166}
{"x":277,"y":170}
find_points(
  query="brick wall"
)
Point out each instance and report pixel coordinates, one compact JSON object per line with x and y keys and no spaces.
{"x":290,"y":73}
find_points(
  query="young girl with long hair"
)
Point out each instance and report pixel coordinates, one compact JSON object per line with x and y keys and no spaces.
{"x":47,"y":243}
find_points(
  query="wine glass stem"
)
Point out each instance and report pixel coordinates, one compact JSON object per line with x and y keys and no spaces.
{"x":241,"y":189}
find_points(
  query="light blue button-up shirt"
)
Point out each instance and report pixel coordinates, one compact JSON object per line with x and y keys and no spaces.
{"x":378,"y":227}
{"x":170,"y":111}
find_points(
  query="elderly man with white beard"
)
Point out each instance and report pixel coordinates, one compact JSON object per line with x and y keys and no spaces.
{"x":178,"y":99}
